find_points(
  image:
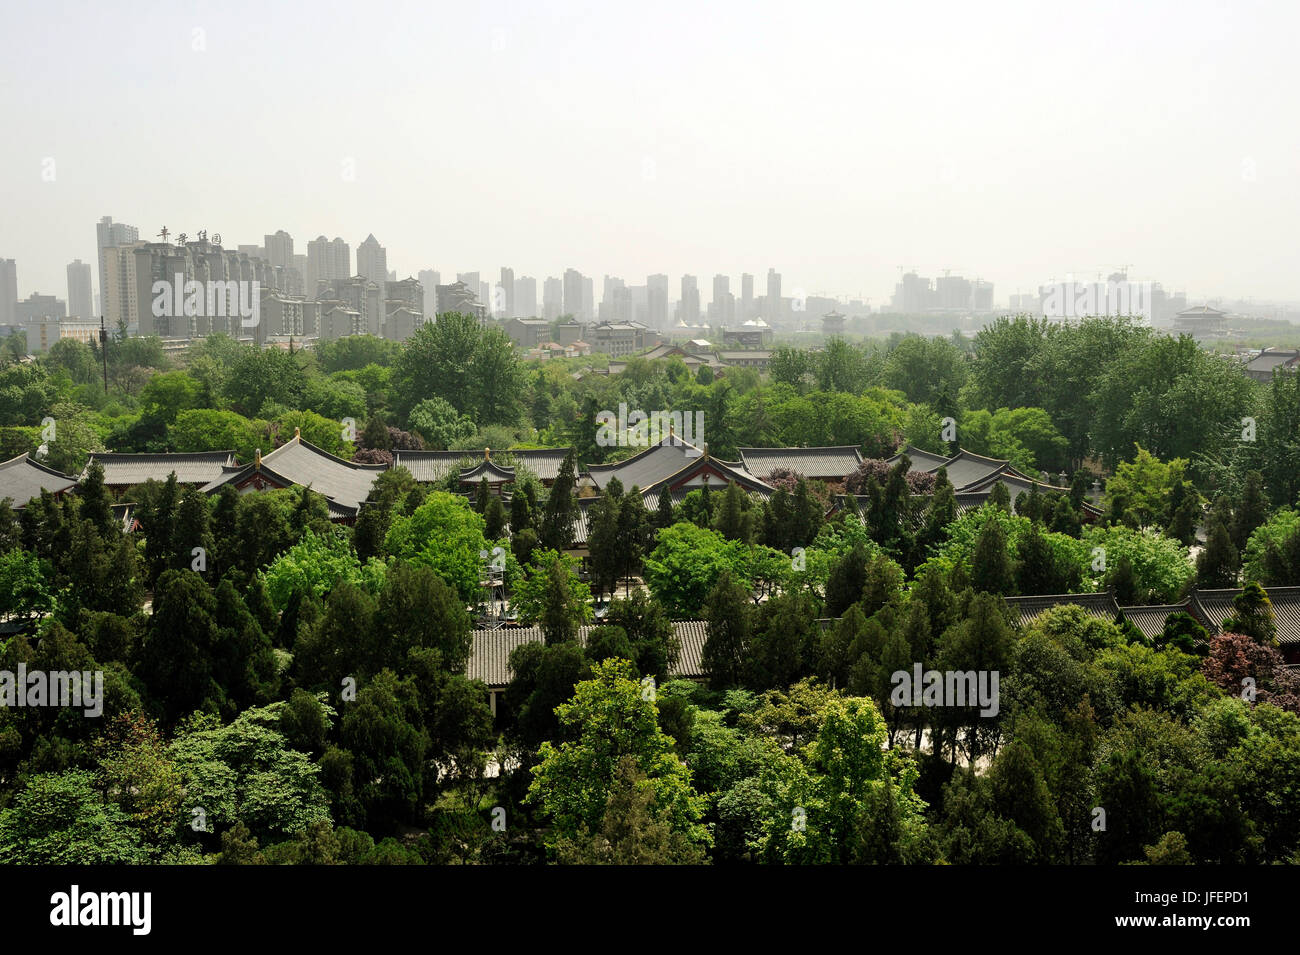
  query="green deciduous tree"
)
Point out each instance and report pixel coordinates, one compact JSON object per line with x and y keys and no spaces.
{"x":610,"y":718}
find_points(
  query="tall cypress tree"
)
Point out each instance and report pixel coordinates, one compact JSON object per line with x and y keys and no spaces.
{"x":1000,"y":496}
{"x":494,"y":517}
{"x":1253,"y":615}
{"x":943,"y":507}
{"x":1123,"y":580}
{"x":1252,"y":512}
{"x":847,"y":578}
{"x":664,"y":514}
{"x":1064,"y":518}
{"x":778,"y":521}
{"x":561,"y":509}
{"x":521,"y":513}
{"x":732,"y":519}
{"x":1035,"y":570}
{"x":192,"y":530}
{"x":729,"y":616}
{"x":634,"y":534}
{"x":159,"y":522}
{"x":991,"y":563}
{"x":603,"y":543}
{"x":807,"y":517}
{"x":1030,"y":505}
{"x":1218,"y":563}
{"x":94,"y":502}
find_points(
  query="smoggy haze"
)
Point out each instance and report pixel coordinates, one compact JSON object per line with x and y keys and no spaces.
{"x":834,"y":142}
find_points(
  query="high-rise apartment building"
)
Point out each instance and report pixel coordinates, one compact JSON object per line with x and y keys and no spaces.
{"x":372,"y":261}
{"x":430,"y":280}
{"x":552,"y":299}
{"x":773,"y":301}
{"x":688,"y":308}
{"x":525,"y":300}
{"x":408,"y":292}
{"x":359,"y":295}
{"x":746,"y":296}
{"x":574,"y":293}
{"x":722,"y":307}
{"x":504,"y":301}
{"x":615,"y":301}
{"x":327,"y":260}
{"x":657,"y":301}
{"x":8,"y":292}
{"x":113,"y":300}
{"x":459,"y":297}
{"x":279,"y":250}
{"x":227,"y":283}
{"x":80,"y":299}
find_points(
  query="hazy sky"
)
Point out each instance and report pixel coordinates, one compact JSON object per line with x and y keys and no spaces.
{"x":1011,"y":141}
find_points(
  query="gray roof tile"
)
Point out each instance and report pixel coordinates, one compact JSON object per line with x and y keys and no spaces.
{"x":197,"y":467}
{"x":489,"y":658}
{"x":823,"y":464}
{"x":22,"y":480}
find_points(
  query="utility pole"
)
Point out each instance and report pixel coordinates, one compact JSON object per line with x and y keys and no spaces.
{"x":103,"y":350}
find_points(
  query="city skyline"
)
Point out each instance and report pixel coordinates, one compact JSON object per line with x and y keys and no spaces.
{"x":342,"y":263}
{"x":813,"y":142}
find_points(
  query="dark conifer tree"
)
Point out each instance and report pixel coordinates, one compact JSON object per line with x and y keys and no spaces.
{"x":1252,"y":512}
{"x":1218,"y":563}
{"x":1000,"y":496}
{"x":991,"y":570}
{"x":95,"y":505}
{"x":561,"y":509}
{"x":664,"y":514}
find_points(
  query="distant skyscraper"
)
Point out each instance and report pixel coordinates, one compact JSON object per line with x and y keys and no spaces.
{"x":525,"y":300}
{"x":913,"y":294}
{"x":430,"y":280}
{"x":588,"y":299}
{"x":773,"y":301}
{"x":111,"y":235}
{"x":279,"y":250}
{"x":202,"y":262}
{"x":689,"y":308}
{"x":470,"y":279}
{"x":746,"y":296}
{"x":117,"y":299}
{"x":615,"y":303}
{"x":722,"y":307}
{"x":372,"y":260}
{"x":657,"y":301}
{"x":8,"y":292}
{"x":573,"y":294}
{"x":80,"y":299}
{"x":552,"y":299}
{"x":507,"y":295}
{"x":327,"y":260}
